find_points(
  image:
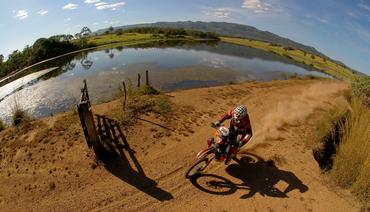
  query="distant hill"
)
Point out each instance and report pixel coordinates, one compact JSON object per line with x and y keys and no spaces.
{"x":230,"y":29}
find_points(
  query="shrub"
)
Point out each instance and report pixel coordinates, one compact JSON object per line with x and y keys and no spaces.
{"x":2,"y":125}
{"x":140,"y":104}
{"x":361,"y":89}
{"x":162,"y":105}
{"x":351,"y":166}
{"x":148,"y":90}
{"x":288,"y":48}
{"x":20,"y":116}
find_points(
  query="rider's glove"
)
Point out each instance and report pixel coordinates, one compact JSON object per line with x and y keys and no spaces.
{"x":240,"y":144}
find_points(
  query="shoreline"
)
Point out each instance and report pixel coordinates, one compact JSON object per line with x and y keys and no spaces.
{"x":124,"y":43}
{"x":115,"y":99}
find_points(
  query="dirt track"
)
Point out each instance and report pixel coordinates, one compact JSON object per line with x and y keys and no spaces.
{"x":276,"y":171}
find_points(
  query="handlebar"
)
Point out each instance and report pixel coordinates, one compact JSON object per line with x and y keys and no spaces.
{"x":214,"y":126}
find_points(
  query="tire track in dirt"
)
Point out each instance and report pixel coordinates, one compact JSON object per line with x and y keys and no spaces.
{"x":272,"y":121}
{"x":279,"y":112}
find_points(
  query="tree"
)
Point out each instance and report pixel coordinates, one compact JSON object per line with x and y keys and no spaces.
{"x":1,"y":58}
{"x":69,"y":37}
{"x":110,"y":29}
{"x":119,"y":32}
{"x":78,"y":35}
{"x":85,"y":31}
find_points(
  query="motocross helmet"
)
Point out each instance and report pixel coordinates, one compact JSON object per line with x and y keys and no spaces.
{"x":239,"y":113}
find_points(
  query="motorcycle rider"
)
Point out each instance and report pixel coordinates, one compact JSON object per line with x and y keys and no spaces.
{"x":240,"y":126}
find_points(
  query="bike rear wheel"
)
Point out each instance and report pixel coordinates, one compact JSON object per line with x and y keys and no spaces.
{"x":197,"y":167}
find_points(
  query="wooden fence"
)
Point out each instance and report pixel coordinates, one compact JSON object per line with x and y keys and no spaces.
{"x":87,"y":119}
{"x":96,"y":135}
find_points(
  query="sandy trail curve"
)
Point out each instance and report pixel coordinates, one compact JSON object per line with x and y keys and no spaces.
{"x":151,"y":178}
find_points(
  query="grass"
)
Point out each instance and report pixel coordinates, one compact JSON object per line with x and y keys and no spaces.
{"x":348,"y":127}
{"x":148,"y":90}
{"x":20,"y":116}
{"x":145,"y":99}
{"x":131,"y":39}
{"x":361,"y":89}
{"x":114,"y":38}
{"x":352,"y":163}
{"x":2,"y":125}
{"x":142,"y":104}
{"x":326,"y":128}
{"x":322,"y":64}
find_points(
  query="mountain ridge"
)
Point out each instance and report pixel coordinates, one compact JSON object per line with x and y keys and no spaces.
{"x":225,"y":28}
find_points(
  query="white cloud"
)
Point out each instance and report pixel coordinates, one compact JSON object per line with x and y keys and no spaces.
{"x":364,"y":6}
{"x":42,"y":12}
{"x":68,"y":19}
{"x":70,"y":6}
{"x":100,"y":3}
{"x":218,"y":12}
{"x":352,"y":14}
{"x":95,"y":24}
{"x":104,"y":5}
{"x":257,"y":6}
{"x":317,"y":18}
{"x":91,"y":1}
{"x":21,"y":14}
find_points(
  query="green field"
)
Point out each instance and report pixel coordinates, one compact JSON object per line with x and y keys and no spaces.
{"x":123,"y":38}
{"x":133,"y":38}
{"x":325,"y":65}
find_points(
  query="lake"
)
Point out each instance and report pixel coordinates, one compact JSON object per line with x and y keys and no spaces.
{"x":54,"y":86}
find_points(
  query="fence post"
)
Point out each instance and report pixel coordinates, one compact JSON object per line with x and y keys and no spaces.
{"x":87,"y":120}
{"x":138,"y":80}
{"x":87,"y":115}
{"x":147,"y":78}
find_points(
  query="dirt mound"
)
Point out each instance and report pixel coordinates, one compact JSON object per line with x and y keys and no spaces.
{"x":46,"y":165}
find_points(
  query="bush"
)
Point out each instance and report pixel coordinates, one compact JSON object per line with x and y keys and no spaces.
{"x":140,"y":104}
{"x":2,"y":125}
{"x":288,"y":48}
{"x":20,"y":116}
{"x":345,"y":133}
{"x":361,"y":89}
{"x":352,"y":162}
{"x":148,"y":90}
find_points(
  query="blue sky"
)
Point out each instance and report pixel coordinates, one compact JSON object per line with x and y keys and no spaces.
{"x":338,"y":28}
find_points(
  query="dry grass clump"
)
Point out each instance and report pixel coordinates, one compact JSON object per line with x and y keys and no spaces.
{"x":138,"y":105}
{"x":361,"y":89}
{"x":20,"y":116}
{"x":327,"y":128}
{"x":145,"y":99}
{"x":2,"y":125}
{"x":347,"y":135}
{"x":345,"y":138}
{"x":352,"y":162}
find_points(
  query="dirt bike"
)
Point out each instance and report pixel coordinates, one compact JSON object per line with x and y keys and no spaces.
{"x":220,"y":147}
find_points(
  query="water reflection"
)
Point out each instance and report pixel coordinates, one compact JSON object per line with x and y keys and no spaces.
{"x":172,"y":65}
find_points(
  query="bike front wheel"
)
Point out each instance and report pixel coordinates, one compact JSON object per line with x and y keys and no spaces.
{"x":197,"y":167}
